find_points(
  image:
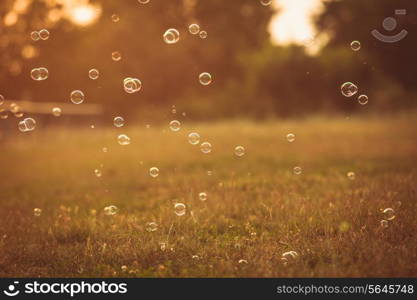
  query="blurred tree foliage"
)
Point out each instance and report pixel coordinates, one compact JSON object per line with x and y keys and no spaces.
{"x":251,"y":76}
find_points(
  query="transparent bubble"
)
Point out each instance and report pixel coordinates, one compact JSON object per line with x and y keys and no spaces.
{"x":174,"y":109}
{"x":290,"y":255}
{"x":363,"y":99}
{"x":132,"y":85}
{"x":205,"y":147}
{"x":179,"y":209}
{"x":195,"y":257}
{"x":123,"y":139}
{"x":171,"y":36}
{"x":27,"y":124}
{"x":175,"y":125}
{"x":77,"y":97}
{"x":116,"y":56}
{"x":4,"y":114}
{"x":389,"y":214}
{"x":37,"y":212}
{"x":115,"y":18}
{"x":242,"y":261}
{"x":194,"y":138}
{"x":44,"y":34}
{"x":105,"y":149}
{"x":18,"y":114}
{"x":154,"y":172}
{"x":348,"y":89}
{"x":151,"y":226}
{"x":355,"y":45}
{"x":239,"y":151}
{"x":205,"y":78}
{"x":291,"y":137}
{"x":265,"y":2}
{"x":56,"y":112}
{"x":202,"y":196}
{"x":297,"y":170}
{"x":351,"y":175}
{"x":98,"y":173}
{"x":194,"y":28}
{"x":144,"y":1}
{"x":203,"y":34}
{"x":111,"y":210}
{"x":39,"y":74}
{"x":1,"y":99}
{"x":34,"y":35}
{"x":123,"y":268}
{"x":384,"y":223}
{"x":209,"y":173}
{"x":93,"y":74}
{"x":118,"y":121}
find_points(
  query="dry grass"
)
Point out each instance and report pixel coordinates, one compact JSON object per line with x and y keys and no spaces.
{"x":256,"y":208}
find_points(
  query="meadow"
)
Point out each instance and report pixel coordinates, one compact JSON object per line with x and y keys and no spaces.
{"x":256,"y":207}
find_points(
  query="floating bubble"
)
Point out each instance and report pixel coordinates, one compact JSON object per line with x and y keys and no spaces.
{"x":194,"y":138}
{"x":37,"y":212}
{"x":39,"y":74}
{"x":363,"y":99}
{"x":389,"y":214}
{"x":151,"y":226}
{"x":209,"y":173}
{"x":4,"y":114}
{"x":265,"y":2}
{"x":118,"y":121}
{"x":194,"y":28}
{"x":179,"y":209}
{"x":34,"y":35}
{"x":202,"y":196}
{"x":132,"y":85}
{"x":44,"y":34}
{"x":111,"y":210}
{"x":290,"y":255}
{"x":93,"y":74}
{"x":203,"y":34}
{"x":144,"y":1}
{"x":123,"y":268}
{"x":97,"y":172}
{"x":115,"y":18}
{"x":205,"y":147}
{"x":355,"y":45}
{"x":18,"y":114}
{"x":242,"y":261}
{"x":205,"y":78}
{"x":351,"y":175}
{"x":348,"y":89}
{"x":123,"y":139}
{"x":77,"y":97}
{"x":27,"y":124}
{"x":384,"y":223}
{"x":116,"y":56}
{"x":239,"y":151}
{"x":1,"y":99}
{"x":291,"y":137}
{"x":154,"y":172}
{"x":175,"y":125}
{"x":195,"y":257}
{"x":105,"y":149}
{"x":171,"y":36}
{"x":56,"y":111}
{"x":297,"y":170}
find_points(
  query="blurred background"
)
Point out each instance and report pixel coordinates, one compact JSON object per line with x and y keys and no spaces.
{"x":284,"y":59}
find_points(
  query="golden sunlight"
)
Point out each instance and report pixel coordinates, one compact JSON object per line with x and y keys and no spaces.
{"x":84,"y":15}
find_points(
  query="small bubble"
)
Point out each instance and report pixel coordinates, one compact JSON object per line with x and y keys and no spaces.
{"x":77,"y":97}
{"x":1,"y":99}
{"x":44,"y":34}
{"x":242,"y":261}
{"x":115,"y":18}
{"x":118,"y":122}
{"x":105,"y":149}
{"x":93,"y":74}
{"x":97,"y":172}
{"x":290,"y":255}
{"x":194,"y":138}
{"x":144,"y":1}
{"x":384,"y":223}
{"x":351,"y":175}
{"x":154,"y":172}
{"x":111,"y":210}
{"x":163,"y":246}
{"x":171,"y":36}
{"x":265,"y":2}
{"x":151,"y":226}
{"x":363,"y":99}
{"x":202,"y":196}
{"x":297,"y":170}
{"x":132,"y":85}
{"x":37,"y":212}
{"x":123,"y":139}
{"x":116,"y":56}
{"x":389,"y":214}
{"x":239,"y":151}
{"x":355,"y":45}
{"x":203,"y":34}
{"x":56,"y":112}
{"x":205,"y":78}
{"x":179,"y":209}
{"x":175,"y":125}
{"x":39,"y":74}
{"x":348,"y":89}
{"x":194,"y":28}
{"x":291,"y":137}
{"x":205,"y":147}
{"x":27,"y":124}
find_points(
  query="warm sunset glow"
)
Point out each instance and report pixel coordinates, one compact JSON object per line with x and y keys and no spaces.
{"x":84,"y":15}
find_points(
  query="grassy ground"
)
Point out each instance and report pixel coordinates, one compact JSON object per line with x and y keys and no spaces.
{"x":257,"y":208}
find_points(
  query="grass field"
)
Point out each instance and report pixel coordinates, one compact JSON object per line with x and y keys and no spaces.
{"x":257,"y":208}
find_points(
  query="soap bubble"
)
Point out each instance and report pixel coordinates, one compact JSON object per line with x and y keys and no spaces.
{"x":77,"y":97}
{"x":144,"y":1}
{"x":205,"y":147}
{"x":118,"y":121}
{"x":56,"y":111}
{"x":175,"y":125}
{"x":297,"y":170}
{"x":205,"y":78}
{"x":203,"y":34}
{"x":37,"y":212}
{"x":179,"y":209}
{"x":1,"y":99}
{"x":39,"y":74}
{"x":93,"y":74}
{"x":34,"y":35}
{"x":171,"y":36}
{"x":348,"y":89}
{"x":116,"y":56}
{"x":97,"y":172}
{"x":123,"y":139}
{"x":194,"y":138}
{"x":242,"y":261}
{"x":355,"y":45}
{"x":389,"y":214}
{"x":4,"y":114}
{"x":111,"y":210}
{"x":384,"y":223}
{"x":291,"y":137}
{"x":363,"y":99}
{"x":44,"y":34}
{"x":265,"y":2}
{"x":194,"y":28}
{"x":151,"y":226}
{"x":239,"y":151}
{"x":27,"y":124}
{"x":115,"y":18}
{"x":202,"y":196}
{"x":132,"y":85}
{"x":154,"y":172}
{"x":351,"y":175}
